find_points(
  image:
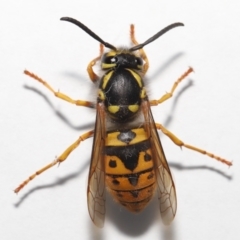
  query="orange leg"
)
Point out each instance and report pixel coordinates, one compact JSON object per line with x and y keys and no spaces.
{"x":141,"y":51}
{"x":180,"y":143}
{"x":93,"y":76}
{"x":59,"y":94}
{"x":166,"y":96}
{"x":59,"y":160}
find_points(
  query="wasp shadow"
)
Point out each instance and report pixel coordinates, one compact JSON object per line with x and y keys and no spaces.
{"x":132,"y":224}
{"x":181,"y":167}
{"x":136,"y":224}
{"x":166,"y":64}
{"x":60,"y":115}
{"x":59,"y":182}
{"x":170,"y":116}
{"x":182,"y":89}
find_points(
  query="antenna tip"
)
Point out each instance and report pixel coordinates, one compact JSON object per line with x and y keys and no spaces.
{"x":63,"y":18}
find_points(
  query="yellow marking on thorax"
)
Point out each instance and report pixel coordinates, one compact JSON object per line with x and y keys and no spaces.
{"x":136,"y":76}
{"x":106,"y":79}
{"x":133,"y":108}
{"x":143,"y":93}
{"x":101,"y":94}
{"x":113,"y":108}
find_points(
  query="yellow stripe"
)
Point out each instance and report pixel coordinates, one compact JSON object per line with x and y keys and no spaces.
{"x":120,"y":169}
{"x":113,"y":109}
{"x":143,"y":93}
{"x":108,"y":65}
{"x":112,"y":139}
{"x":136,"y":76}
{"x":101,"y":94}
{"x":106,"y":78}
{"x":133,"y":108}
{"x":111,"y":54}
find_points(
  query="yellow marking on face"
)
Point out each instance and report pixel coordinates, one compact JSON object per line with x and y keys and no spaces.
{"x":108,"y":65}
{"x":136,"y":76}
{"x":133,"y":108}
{"x":106,"y":79}
{"x":113,"y":109}
{"x":111,"y":54}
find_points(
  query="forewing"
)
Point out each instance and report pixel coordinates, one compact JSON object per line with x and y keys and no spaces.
{"x":96,"y":178}
{"x":166,"y":187}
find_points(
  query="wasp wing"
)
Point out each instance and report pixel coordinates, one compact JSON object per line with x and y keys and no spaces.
{"x":96,"y":177}
{"x":166,"y":187}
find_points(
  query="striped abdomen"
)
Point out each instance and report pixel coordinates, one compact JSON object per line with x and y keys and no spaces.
{"x":129,"y":169}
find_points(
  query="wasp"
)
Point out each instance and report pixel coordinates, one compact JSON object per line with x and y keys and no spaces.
{"x":127,"y":155}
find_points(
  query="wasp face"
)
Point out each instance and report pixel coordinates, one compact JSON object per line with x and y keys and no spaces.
{"x":121,"y":59}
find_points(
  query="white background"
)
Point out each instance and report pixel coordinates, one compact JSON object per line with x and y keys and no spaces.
{"x":36,"y":126}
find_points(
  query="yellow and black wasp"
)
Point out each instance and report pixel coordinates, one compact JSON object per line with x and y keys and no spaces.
{"x":127,"y":155}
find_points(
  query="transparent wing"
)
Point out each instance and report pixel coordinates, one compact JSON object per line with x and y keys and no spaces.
{"x":166,"y":187}
{"x":96,"y":178}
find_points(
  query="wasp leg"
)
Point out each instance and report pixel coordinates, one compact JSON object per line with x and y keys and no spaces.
{"x":59,"y":94}
{"x":166,"y":96}
{"x":93,"y":76}
{"x":142,"y":53}
{"x":59,"y":160}
{"x":180,"y":143}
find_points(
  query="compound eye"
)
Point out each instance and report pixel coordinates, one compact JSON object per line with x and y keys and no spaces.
{"x":139,"y":61}
{"x":110,"y":60}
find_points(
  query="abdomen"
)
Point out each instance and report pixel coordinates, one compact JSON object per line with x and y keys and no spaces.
{"x":130,"y":176}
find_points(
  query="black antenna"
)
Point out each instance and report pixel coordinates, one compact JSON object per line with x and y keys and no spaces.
{"x":108,"y":45}
{"x":156,"y":36}
{"x":88,"y":31}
